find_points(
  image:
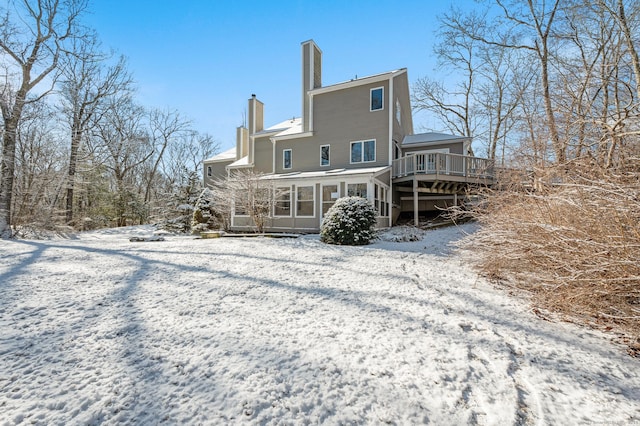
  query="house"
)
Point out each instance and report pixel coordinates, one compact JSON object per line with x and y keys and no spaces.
{"x":354,"y":138}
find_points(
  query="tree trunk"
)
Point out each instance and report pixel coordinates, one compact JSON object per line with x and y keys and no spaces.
{"x":8,"y":171}
{"x":76,"y":135}
{"x":635,"y":61}
{"x":9,"y":163}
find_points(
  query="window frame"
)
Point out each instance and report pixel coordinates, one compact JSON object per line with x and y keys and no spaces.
{"x":362,"y":151}
{"x":284,"y":159}
{"x":371,"y":109}
{"x":312,"y":200}
{"x":331,"y":201}
{"x":285,"y":190}
{"x":328,"y":146}
{"x":366,"y":188}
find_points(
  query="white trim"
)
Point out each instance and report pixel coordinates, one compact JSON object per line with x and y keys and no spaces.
{"x":293,"y":136}
{"x":367,"y":183}
{"x":284,"y":167}
{"x":371,"y":99}
{"x":310,"y":112}
{"x":359,"y":81}
{"x":313,"y":199}
{"x":391,"y":143}
{"x":428,"y":151}
{"x":329,"y":163}
{"x":362,"y":161}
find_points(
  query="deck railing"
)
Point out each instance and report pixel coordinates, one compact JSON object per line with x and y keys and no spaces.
{"x":438,"y":163}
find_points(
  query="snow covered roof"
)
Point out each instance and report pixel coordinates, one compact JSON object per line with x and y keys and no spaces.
{"x":287,"y":127}
{"x":431,"y":138}
{"x":243,"y":162}
{"x":227,"y":155}
{"x":329,"y":173}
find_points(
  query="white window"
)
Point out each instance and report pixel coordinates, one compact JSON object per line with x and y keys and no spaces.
{"x":325,"y":155}
{"x":286,"y":159}
{"x":357,"y":190}
{"x":305,"y":205}
{"x":283,"y":202}
{"x":363,"y":151}
{"x":380,"y":202}
{"x":377,"y":99}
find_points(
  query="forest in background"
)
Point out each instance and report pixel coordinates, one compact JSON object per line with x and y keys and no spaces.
{"x":551,"y":90}
{"x":79,"y":150}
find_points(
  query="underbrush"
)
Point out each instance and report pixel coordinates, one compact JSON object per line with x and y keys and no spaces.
{"x":572,"y":239}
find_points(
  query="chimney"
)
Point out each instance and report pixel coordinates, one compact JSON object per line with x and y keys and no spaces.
{"x":311,"y":79}
{"x":256,"y":123}
{"x":242,"y":142}
{"x":256,"y":115}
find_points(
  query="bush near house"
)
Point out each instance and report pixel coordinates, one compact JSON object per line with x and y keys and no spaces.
{"x":350,"y":221}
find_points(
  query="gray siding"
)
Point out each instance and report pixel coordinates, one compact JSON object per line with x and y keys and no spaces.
{"x":401,"y":98}
{"x":263,"y":155}
{"x":339,"y":118}
{"x":218,"y":171}
{"x":454,"y":148}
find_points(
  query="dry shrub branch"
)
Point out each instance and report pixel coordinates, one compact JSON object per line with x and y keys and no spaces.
{"x":571,"y":237}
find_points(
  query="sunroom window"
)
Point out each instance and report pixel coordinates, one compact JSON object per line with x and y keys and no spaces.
{"x":283,"y":202}
{"x":357,"y":190}
{"x":305,"y":204}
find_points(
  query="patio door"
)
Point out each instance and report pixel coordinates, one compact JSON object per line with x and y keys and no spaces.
{"x":330,"y":193}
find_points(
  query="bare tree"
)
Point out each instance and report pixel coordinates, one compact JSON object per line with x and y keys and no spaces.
{"x":39,"y":180}
{"x":86,"y":85}
{"x":122,"y":145}
{"x":165,"y":129}
{"x":32,"y":37}
{"x":458,"y":51}
{"x":248,"y":193}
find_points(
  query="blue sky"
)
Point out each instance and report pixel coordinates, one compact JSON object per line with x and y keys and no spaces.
{"x":206,"y":57}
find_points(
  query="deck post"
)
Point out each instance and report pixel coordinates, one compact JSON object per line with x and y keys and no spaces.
{"x":416,"y":220}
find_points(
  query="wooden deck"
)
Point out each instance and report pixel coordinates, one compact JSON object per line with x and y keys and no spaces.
{"x":426,"y":176}
{"x":445,"y":168}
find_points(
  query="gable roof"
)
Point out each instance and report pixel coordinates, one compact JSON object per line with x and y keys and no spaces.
{"x":228,"y":155}
{"x":358,"y":81}
{"x":287,"y":127}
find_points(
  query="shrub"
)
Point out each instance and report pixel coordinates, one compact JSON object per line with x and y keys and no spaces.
{"x":350,"y":221}
{"x":573,"y":242}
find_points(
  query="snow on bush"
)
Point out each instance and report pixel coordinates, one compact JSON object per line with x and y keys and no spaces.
{"x":350,"y":221}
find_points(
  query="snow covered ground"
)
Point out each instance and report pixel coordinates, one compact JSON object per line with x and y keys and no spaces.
{"x":100,"y":330}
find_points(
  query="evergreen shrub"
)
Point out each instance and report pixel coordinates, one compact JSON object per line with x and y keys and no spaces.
{"x":350,"y":221}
